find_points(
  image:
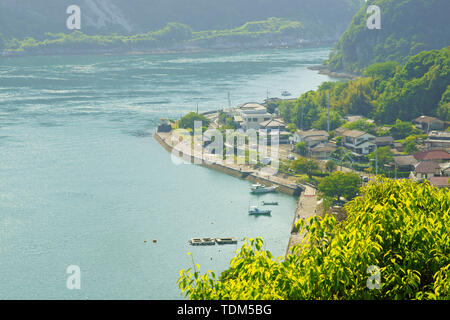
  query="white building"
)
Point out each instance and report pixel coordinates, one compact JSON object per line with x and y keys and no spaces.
{"x":359,"y":142}
{"x":251,"y":115}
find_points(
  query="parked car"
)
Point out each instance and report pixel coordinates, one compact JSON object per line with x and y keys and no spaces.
{"x":291,"y":157}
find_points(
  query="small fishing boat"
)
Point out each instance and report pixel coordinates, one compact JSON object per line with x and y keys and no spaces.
{"x":255,"y":211}
{"x":226,"y":240}
{"x":258,"y":189}
{"x":273,"y":203}
{"x":202,"y":241}
{"x":286,"y":94}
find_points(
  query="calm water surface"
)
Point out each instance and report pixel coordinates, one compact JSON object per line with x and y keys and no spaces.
{"x":82,"y":181}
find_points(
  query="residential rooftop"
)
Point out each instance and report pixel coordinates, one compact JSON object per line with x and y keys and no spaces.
{"x":427,"y":167}
{"x":432,"y":155}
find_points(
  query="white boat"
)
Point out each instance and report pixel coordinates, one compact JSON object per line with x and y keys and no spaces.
{"x":255,"y":211}
{"x":286,"y":94}
{"x":257,"y":188}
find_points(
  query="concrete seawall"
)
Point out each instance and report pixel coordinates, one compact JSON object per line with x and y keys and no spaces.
{"x":301,"y":210}
{"x":250,"y":176}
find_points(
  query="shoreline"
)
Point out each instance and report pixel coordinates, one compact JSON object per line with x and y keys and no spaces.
{"x":326,"y":71}
{"x":156,"y":51}
{"x":306,"y":202}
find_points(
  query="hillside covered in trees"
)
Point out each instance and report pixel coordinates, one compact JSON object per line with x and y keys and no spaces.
{"x":389,"y":91}
{"x":407,"y":28}
{"x":175,"y":36}
{"x":39,"y":20}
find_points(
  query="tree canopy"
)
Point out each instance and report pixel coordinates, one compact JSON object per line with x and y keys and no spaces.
{"x":339,"y":184}
{"x":407,"y":28}
{"x":398,"y":227}
{"x":188,"y":121}
{"x":420,"y":87}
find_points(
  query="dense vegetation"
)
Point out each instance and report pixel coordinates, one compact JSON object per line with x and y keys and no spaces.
{"x":387,"y":93}
{"x":321,"y":19}
{"x":174,"y":35}
{"x":402,"y":227}
{"x":188,"y":121}
{"x":407,"y":28}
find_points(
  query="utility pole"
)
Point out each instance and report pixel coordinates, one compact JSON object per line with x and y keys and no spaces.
{"x":328,"y":119}
{"x":229,"y":100}
{"x":303,"y":108}
{"x":376,"y":160}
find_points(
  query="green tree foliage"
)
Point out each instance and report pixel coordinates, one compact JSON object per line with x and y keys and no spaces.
{"x":402,"y":129}
{"x":331,"y":166}
{"x":399,"y":226}
{"x":407,"y":28}
{"x":340,"y":184}
{"x":382,"y":70}
{"x":420,"y":87}
{"x":362,"y":125}
{"x":382,"y":156}
{"x":301,"y":148}
{"x":188,"y":121}
{"x":443,"y":110}
{"x":306,"y":166}
{"x":291,"y":127}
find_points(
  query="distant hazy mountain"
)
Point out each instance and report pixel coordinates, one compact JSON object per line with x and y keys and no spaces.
{"x":407,"y":28}
{"x":23,"y":18}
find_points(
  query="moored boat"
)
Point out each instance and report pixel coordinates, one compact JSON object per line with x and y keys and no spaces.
{"x":257,"y":188}
{"x":273,"y":203}
{"x":255,"y":211}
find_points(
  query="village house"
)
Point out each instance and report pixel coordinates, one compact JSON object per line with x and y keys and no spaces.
{"x":432,"y":155}
{"x":426,"y":169}
{"x":339,"y":132}
{"x":440,"y":182}
{"x":361,"y":143}
{"x":427,"y":123}
{"x":404,"y":163}
{"x":310,"y":137}
{"x":323,"y":151}
{"x":250,"y":115}
{"x":273,"y":124}
{"x":438,"y":140}
{"x":384,"y":141}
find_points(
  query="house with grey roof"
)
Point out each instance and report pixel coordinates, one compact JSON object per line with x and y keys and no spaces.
{"x":359,"y":142}
{"x":427,"y":123}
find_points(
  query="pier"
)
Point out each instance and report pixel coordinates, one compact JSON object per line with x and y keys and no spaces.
{"x":246,"y":173}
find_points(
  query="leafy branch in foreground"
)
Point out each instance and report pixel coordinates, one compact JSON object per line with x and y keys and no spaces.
{"x":400,"y":226}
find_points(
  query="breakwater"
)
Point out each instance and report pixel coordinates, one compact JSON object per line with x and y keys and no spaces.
{"x":284,"y":187}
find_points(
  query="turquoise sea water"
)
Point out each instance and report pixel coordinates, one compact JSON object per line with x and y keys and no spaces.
{"x":82,"y":181}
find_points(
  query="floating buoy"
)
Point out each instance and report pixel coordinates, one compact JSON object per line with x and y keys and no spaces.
{"x":145,"y":241}
{"x":154,"y":241}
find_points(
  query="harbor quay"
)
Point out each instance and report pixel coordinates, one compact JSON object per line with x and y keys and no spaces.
{"x":307,"y":199}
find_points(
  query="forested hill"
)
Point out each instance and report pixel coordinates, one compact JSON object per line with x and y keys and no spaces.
{"x":33,"y":18}
{"x":407,"y":28}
